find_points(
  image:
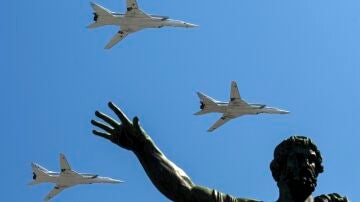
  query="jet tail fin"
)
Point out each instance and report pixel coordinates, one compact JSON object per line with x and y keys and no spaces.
{"x":36,"y":168}
{"x":39,"y":172}
{"x":101,"y":16}
{"x":206,"y":103}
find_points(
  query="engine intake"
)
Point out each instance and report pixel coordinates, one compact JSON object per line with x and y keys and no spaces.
{"x":202,"y":105}
{"x":96,"y":16}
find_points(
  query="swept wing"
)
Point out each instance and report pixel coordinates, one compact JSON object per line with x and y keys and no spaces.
{"x":132,"y":10}
{"x":65,"y":167}
{"x":235,"y":98}
{"x":120,"y":35}
{"x":219,"y":123}
{"x":55,"y":191}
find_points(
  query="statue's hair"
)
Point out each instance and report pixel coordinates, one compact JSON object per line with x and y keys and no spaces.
{"x":282,"y":150}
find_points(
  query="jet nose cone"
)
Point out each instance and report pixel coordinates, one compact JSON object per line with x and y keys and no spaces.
{"x":189,"y":25}
{"x":285,"y":112}
{"x":117,"y":181}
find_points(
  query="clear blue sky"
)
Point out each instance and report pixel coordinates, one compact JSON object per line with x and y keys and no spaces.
{"x":302,"y":56}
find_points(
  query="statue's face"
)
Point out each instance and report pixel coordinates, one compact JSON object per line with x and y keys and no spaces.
{"x":299,"y":173}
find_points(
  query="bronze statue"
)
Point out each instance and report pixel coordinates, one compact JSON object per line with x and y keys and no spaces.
{"x":296,"y":165}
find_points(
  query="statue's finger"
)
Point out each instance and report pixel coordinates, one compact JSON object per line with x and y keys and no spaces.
{"x":102,"y":134}
{"x":102,"y":126}
{"x":136,"y":124}
{"x":119,"y":113}
{"x":107,"y":119}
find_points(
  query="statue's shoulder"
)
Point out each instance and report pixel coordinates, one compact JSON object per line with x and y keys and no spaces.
{"x":334,"y":197}
{"x":246,"y":200}
{"x":221,"y":197}
{"x":204,"y":194}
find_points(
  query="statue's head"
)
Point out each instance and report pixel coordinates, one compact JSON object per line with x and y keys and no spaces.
{"x":296,"y":165}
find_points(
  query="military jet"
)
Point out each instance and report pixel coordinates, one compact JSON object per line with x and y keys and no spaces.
{"x":234,"y":108}
{"x":132,"y":21}
{"x":66,"y":178}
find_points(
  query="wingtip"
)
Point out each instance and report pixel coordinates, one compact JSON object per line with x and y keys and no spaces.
{"x":108,"y":46}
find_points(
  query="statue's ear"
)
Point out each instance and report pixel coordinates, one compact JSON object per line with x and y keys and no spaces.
{"x":275,"y":170}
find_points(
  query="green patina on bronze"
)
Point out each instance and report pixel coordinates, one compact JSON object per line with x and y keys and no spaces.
{"x":296,"y":165}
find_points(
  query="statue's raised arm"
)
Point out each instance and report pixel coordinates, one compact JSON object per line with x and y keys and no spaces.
{"x":296,"y":165}
{"x":169,"y":179}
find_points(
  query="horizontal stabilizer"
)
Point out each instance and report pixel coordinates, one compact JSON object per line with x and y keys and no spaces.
{"x":202,"y":112}
{"x":34,"y":182}
{"x":95,"y":25}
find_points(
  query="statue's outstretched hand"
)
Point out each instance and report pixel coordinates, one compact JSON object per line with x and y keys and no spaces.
{"x":126,"y":134}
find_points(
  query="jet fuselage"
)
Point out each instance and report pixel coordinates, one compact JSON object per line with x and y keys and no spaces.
{"x":131,"y":21}
{"x":141,"y":22}
{"x":69,"y":180}
{"x":64,"y":179}
{"x":234,"y":110}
